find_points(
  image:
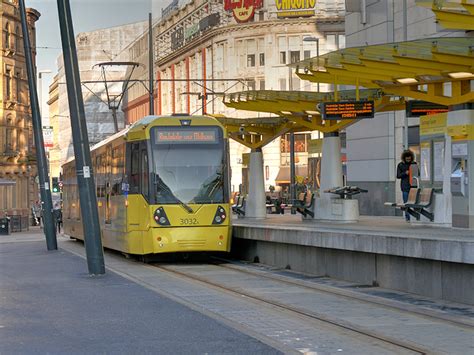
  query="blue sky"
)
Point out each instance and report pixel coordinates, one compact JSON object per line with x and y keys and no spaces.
{"x":88,"y":15}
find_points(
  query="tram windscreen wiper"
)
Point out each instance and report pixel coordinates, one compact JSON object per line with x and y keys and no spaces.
{"x":210,"y":188}
{"x":160,"y":185}
{"x":185,"y":206}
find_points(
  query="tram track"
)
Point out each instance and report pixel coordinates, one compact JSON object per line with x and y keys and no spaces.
{"x":343,"y":325}
{"x":258,"y":304}
{"x":369,"y":299}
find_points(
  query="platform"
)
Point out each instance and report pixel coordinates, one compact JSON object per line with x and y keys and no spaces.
{"x":49,"y":304}
{"x":431,"y":261}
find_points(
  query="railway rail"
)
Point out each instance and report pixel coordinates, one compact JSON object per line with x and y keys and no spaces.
{"x":424,"y":312}
{"x":407,"y":346}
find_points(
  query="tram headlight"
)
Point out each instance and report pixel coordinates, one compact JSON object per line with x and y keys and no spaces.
{"x":220,"y":215}
{"x":160,"y":217}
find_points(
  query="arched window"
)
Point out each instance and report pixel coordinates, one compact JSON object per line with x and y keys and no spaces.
{"x":8,"y":83}
{"x":18,"y":87}
{"x":7,"y":36}
{"x":18,"y":39}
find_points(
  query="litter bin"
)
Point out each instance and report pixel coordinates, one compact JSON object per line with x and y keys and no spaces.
{"x":4,"y":226}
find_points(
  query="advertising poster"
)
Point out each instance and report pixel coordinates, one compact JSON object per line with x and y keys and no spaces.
{"x":425,"y":161}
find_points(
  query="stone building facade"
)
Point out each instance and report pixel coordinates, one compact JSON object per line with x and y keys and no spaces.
{"x":104,"y":45}
{"x":209,"y":46}
{"x":18,"y":188}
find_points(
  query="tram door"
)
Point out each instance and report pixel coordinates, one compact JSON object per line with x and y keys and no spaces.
{"x":108,"y":185}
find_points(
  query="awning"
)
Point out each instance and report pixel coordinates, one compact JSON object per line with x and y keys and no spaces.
{"x":283,"y":176}
{"x":6,"y":182}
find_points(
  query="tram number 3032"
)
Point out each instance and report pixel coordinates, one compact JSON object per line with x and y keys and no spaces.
{"x":188,"y":221}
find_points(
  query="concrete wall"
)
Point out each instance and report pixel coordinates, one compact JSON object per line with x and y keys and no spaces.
{"x":437,"y":279}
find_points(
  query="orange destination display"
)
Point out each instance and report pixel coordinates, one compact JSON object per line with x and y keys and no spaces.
{"x":180,"y":135}
{"x":344,"y":110}
{"x":417,"y":108}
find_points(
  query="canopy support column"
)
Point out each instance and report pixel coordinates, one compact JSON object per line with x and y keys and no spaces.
{"x":330,"y":206}
{"x":256,"y":205}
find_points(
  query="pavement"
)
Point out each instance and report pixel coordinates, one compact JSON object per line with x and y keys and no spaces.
{"x":49,"y":304}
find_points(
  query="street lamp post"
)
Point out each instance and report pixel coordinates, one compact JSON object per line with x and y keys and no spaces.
{"x":314,"y":39}
{"x":40,"y":88}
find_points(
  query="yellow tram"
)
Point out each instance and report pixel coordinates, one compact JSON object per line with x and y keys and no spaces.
{"x":162,"y":187}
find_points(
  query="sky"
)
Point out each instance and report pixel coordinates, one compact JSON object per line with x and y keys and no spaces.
{"x":87,"y":15}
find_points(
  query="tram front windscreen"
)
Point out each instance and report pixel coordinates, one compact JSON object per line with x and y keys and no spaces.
{"x":188,"y":165}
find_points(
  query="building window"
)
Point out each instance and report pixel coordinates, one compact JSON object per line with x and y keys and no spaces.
{"x":331,"y":41}
{"x":295,"y":84}
{"x":341,"y":41}
{"x":18,"y":88}
{"x":9,"y":139}
{"x":301,"y":143}
{"x":262,"y":84}
{"x":336,"y":41}
{"x":250,"y":60}
{"x":8,"y":84}
{"x":307,"y":54}
{"x":7,"y":36}
{"x":18,"y":44}
{"x":282,"y":57}
{"x":251,"y":85}
{"x":262,"y":59}
{"x":283,"y":84}
{"x":294,"y":57}
{"x":261,"y":16}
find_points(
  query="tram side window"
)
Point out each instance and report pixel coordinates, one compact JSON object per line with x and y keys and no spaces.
{"x":145,"y":174}
{"x":135,"y":169}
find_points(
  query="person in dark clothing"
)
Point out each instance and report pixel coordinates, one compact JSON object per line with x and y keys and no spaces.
{"x":403,"y":173}
{"x":58,"y":217}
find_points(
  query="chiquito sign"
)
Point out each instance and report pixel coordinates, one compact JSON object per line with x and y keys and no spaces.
{"x":243,"y":10}
{"x":295,"y":8}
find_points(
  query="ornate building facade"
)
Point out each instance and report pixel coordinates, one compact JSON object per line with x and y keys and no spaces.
{"x":18,"y":188}
{"x":206,"y":47}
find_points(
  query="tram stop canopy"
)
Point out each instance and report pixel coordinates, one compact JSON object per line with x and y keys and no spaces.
{"x":415,"y":69}
{"x":457,"y":15}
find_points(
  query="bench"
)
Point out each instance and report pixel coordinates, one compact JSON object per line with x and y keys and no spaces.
{"x":239,"y":206}
{"x":417,"y":203}
{"x":425,"y":199}
{"x":304,"y":203}
{"x":270,"y":205}
{"x":346,"y":192}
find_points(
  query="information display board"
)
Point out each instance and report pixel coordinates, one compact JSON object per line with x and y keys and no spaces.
{"x":344,"y":110}
{"x":190,"y":136}
{"x":417,"y":108}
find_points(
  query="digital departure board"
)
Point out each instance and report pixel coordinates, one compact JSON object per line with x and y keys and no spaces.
{"x":417,"y":108}
{"x":344,"y":110}
{"x":185,"y":135}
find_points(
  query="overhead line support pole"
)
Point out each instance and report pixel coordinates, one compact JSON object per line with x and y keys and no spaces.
{"x":84,"y":172}
{"x":292,"y":172}
{"x":43,"y":174}
{"x":150,"y":65}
